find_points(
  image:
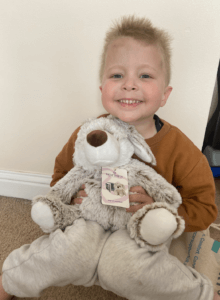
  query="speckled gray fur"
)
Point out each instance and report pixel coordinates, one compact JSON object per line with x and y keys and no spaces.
{"x":164,"y":194}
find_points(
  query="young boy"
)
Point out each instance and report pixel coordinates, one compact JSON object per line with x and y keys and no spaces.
{"x":135,"y":75}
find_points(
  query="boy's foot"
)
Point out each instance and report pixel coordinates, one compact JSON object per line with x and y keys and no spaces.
{"x":3,"y":294}
{"x":216,"y":296}
{"x":6,"y":296}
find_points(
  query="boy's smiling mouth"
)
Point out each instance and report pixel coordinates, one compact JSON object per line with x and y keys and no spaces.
{"x":129,"y":102}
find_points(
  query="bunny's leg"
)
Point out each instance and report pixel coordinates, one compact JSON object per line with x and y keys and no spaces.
{"x":53,"y":210}
{"x":50,"y":213}
{"x":154,"y":225}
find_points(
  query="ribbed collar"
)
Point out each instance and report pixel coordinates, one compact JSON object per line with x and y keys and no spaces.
{"x":159,"y":135}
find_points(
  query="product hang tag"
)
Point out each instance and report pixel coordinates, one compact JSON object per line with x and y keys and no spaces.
{"x":115,"y":187}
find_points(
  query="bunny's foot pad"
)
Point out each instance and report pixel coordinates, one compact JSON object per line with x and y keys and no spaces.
{"x":154,"y":225}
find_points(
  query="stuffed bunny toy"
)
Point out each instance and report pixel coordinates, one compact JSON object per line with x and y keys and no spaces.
{"x":110,"y":142}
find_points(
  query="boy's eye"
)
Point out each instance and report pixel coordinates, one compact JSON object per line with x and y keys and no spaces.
{"x":145,"y":76}
{"x":116,"y":76}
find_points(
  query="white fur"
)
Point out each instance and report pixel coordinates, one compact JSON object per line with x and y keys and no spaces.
{"x":157,"y":233}
{"x":42,"y":215}
{"x":105,"y":155}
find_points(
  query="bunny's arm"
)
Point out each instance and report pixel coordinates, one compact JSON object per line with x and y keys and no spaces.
{"x":66,"y":187}
{"x":52,"y":211}
{"x":153,"y":183}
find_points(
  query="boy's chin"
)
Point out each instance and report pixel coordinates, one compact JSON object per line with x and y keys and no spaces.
{"x":132,"y":120}
{"x":126,"y":119}
{"x":126,"y":116}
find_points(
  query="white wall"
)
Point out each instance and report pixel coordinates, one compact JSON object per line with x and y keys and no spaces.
{"x":49,"y":58}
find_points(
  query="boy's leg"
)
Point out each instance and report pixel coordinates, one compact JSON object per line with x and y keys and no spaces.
{"x":136,"y":274}
{"x":58,"y":259}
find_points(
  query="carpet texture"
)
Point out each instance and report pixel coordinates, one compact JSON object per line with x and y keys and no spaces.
{"x":17,"y":228}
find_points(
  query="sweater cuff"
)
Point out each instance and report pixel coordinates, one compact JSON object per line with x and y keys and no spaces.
{"x":188,"y":227}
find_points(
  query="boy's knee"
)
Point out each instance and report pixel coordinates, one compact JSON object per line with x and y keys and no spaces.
{"x":62,"y":258}
{"x":78,"y":251}
{"x":80,"y":245}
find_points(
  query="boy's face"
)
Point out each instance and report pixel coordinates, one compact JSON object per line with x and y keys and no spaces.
{"x":134,"y":73}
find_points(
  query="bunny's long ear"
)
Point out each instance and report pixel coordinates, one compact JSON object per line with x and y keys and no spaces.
{"x":141,"y":148}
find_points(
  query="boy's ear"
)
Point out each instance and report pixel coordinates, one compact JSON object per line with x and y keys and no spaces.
{"x":167,"y":92}
{"x":100,"y":88}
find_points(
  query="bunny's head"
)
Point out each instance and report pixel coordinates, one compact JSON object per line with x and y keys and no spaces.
{"x":108,"y":141}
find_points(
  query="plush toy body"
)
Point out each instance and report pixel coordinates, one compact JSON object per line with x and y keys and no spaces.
{"x":109,"y":142}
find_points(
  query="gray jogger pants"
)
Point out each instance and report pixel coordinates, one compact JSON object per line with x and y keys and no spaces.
{"x":58,"y":259}
{"x":85,"y":254}
{"x":137,"y":274}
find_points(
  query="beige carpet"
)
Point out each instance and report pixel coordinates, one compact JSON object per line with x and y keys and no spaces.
{"x":17,"y":228}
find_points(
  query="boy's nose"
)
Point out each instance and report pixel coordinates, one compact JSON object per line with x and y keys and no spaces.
{"x":129,"y":85}
{"x":129,"y":88}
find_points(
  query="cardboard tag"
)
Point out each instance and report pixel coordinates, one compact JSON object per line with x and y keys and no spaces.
{"x":115,"y":187}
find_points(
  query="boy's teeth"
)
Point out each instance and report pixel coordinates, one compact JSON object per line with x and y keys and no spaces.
{"x":130,"y":101}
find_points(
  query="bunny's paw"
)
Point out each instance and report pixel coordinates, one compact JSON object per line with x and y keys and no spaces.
{"x":43,"y":216}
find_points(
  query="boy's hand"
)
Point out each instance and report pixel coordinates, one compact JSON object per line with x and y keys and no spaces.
{"x":142,"y":197}
{"x":76,"y":199}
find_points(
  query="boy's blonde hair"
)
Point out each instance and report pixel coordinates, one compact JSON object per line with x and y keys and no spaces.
{"x":140,"y":29}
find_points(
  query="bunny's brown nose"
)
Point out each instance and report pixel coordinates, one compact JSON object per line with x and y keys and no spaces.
{"x":97,"y":138}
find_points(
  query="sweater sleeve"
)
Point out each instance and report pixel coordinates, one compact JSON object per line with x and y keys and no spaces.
{"x":198,"y":193}
{"x":64,"y":160}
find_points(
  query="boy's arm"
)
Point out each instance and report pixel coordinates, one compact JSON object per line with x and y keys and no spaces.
{"x":198,"y":194}
{"x":64,"y":160}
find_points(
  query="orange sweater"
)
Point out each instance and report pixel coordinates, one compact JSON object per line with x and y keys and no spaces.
{"x":180,"y":162}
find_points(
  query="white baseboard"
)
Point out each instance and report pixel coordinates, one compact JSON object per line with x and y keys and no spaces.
{"x":23,"y":185}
